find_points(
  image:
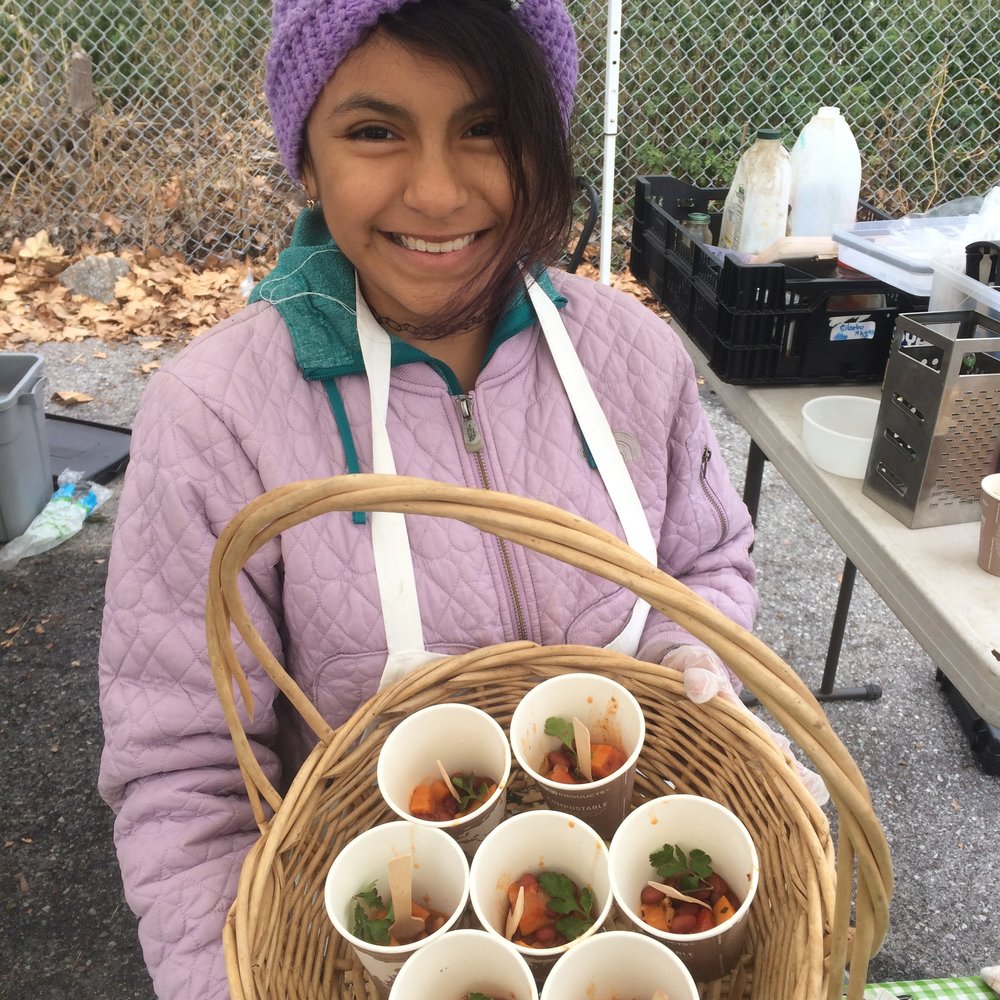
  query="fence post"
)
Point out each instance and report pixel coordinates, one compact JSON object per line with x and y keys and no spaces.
{"x":82,"y":101}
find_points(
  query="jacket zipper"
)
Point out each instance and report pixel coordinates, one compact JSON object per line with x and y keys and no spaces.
{"x":474,"y":445}
{"x":720,"y":511}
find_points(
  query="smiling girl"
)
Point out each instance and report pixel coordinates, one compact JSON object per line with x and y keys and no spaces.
{"x":413,"y":325}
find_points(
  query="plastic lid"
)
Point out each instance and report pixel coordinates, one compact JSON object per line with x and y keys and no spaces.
{"x":699,"y":217}
{"x":829,"y":112}
{"x":769,"y":133}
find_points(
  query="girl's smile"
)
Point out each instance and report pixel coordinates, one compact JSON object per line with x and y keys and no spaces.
{"x":403,"y":158}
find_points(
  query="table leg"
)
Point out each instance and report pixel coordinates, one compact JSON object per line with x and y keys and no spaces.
{"x":827,"y":691}
{"x":751,"y":482}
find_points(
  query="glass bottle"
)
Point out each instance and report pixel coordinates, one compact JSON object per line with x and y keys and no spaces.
{"x":696,"y":225}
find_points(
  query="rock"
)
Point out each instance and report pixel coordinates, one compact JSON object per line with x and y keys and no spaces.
{"x":94,"y":277}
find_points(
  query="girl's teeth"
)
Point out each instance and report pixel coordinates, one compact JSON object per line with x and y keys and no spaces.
{"x":424,"y":247}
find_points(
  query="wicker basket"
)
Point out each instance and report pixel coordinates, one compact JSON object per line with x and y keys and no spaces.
{"x":279,"y":942}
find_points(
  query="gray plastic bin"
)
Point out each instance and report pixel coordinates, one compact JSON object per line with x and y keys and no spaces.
{"x":25,"y":476}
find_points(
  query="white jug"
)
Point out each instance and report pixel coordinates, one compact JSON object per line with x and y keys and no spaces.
{"x":826,"y":176}
{"x":756,"y":209}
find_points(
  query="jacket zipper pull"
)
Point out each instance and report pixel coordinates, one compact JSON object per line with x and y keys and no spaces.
{"x":705,"y":456}
{"x":470,"y":429}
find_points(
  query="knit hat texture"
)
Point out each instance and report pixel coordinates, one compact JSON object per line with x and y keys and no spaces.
{"x":310,"y":38}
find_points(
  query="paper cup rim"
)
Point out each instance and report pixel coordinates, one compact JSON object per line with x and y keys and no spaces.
{"x":990,"y":485}
{"x":630,"y":760}
{"x":611,"y":938}
{"x":599,"y":920}
{"x":740,"y":911}
{"x":390,"y":951}
{"x":448,"y":824}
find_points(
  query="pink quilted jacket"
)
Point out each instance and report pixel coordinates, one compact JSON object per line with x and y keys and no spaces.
{"x":232,"y":416}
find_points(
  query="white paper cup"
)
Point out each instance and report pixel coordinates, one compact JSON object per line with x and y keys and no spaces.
{"x":989,"y":524}
{"x":690,"y":822}
{"x":619,"y":964}
{"x":463,"y":738}
{"x":462,"y":962}
{"x":440,"y":882}
{"x":611,"y":714}
{"x":538,"y":841}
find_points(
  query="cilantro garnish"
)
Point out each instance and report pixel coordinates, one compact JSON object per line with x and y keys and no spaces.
{"x":372,"y":930}
{"x":691,"y":869}
{"x":562,"y":730}
{"x":467,"y":790}
{"x":562,"y":899}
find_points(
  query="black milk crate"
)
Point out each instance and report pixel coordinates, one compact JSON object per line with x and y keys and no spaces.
{"x":761,"y":323}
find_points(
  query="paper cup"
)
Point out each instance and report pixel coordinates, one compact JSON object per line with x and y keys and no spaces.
{"x":463,"y":738}
{"x":989,"y":525}
{"x":440,"y":881}
{"x":690,"y":822}
{"x":538,"y":841}
{"x":619,"y":964}
{"x":463,"y":962}
{"x":611,"y":714}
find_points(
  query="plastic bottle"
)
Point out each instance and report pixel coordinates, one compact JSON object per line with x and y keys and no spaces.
{"x":756,"y":209}
{"x":696,"y":225}
{"x":826,"y":176}
{"x":62,"y":517}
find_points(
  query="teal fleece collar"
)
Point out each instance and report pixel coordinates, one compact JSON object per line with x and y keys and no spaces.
{"x":312,"y":286}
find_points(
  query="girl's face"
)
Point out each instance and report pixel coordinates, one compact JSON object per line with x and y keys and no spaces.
{"x":414,"y":190}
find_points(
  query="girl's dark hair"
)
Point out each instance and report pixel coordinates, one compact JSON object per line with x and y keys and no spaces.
{"x":483,"y":37}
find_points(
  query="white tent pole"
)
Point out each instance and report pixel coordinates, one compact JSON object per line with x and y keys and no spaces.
{"x":610,"y":134}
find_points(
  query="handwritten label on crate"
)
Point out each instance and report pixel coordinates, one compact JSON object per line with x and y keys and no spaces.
{"x":852,"y":327}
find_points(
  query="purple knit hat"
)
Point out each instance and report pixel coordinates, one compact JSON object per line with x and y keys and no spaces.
{"x":310,"y":38}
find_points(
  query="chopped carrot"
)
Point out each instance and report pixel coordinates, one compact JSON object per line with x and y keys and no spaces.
{"x":421,"y":803}
{"x":439,"y":792}
{"x":657,"y":914}
{"x":419,"y":911}
{"x":722,"y":911}
{"x":561,"y":774}
{"x":604,"y":760}
{"x":535,"y":913}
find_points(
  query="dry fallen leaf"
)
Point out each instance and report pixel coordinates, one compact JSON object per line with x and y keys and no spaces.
{"x":150,"y":345}
{"x":112,"y":222}
{"x":148,"y":369}
{"x":38,"y":247}
{"x":70,"y":398}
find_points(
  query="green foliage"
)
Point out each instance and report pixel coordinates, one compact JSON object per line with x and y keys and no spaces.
{"x":916,"y":79}
{"x":142,"y":50}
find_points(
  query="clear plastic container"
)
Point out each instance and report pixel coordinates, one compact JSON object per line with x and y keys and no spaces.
{"x":756,"y":208}
{"x":826,"y":176}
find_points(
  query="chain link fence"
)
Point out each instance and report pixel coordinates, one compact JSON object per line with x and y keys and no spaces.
{"x":134,"y":122}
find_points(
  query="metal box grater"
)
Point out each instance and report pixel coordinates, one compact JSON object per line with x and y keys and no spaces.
{"x":938,"y":430}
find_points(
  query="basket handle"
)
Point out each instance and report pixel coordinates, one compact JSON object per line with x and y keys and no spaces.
{"x":573,"y":540}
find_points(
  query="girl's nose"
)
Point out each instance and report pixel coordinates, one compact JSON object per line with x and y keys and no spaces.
{"x":435,"y":185}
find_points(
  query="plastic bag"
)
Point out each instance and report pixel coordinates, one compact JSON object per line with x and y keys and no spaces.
{"x":61,"y":518}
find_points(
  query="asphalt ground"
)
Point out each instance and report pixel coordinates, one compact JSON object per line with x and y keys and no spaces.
{"x":65,"y":930}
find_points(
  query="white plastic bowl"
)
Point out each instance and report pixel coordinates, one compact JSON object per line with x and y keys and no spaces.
{"x":837,"y":433}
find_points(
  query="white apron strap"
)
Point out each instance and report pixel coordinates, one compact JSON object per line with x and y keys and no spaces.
{"x":404,"y":634}
{"x":601,"y":442}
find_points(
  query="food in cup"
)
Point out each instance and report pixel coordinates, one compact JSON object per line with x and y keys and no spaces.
{"x":554,"y":910}
{"x":563,"y":763}
{"x":690,"y":897}
{"x":373,"y":917}
{"x":475,"y":996}
{"x":434,"y":800}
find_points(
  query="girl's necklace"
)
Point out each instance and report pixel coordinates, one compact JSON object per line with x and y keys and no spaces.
{"x":428,"y":332}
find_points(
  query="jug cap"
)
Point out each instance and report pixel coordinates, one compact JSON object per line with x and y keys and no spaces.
{"x":769,"y":133}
